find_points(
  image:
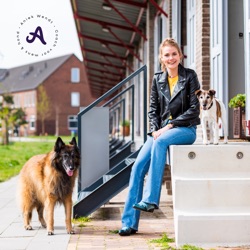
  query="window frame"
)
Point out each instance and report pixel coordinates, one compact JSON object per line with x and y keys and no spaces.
{"x":75,"y":75}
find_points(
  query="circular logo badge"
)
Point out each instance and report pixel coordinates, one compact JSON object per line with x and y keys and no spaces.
{"x":37,"y":35}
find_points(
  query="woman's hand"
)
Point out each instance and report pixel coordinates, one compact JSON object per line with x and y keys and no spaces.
{"x":157,"y":133}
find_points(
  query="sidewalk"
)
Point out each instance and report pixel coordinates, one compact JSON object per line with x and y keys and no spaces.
{"x":13,"y":236}
{"x":96,"y":234}
{"x":99,"y":232}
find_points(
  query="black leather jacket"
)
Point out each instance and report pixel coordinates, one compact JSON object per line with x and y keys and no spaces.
{"x":183,"y":106}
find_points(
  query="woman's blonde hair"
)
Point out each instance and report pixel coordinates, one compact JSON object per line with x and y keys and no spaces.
{"x":168,"y":42}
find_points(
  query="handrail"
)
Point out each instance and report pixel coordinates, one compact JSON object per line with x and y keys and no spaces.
{"x":111,"y":91}
{"x":117,"y":104}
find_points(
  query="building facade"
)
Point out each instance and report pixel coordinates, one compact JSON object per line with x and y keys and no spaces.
{"x":214,"y":36}
{"x":64,"y":81}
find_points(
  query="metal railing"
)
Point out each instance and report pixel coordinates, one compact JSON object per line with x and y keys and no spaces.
{"x":119,"y":99}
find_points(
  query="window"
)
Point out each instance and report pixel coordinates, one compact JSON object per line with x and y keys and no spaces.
{"x":75,"y":99}
{"x":32,"y":122}
{"x":75,"y":75}
{"x":29,"y":99}
{"x":33,"y":99}
{"x":72,"y":122}
{"x":17,"y":101}
{"x":191,"y":33}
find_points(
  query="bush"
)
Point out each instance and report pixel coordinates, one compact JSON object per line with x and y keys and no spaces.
{"x":238,"y":101}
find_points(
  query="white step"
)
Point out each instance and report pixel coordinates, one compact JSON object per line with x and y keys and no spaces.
{"x":211,"y":185}
{"x":213,"y":230}
{"x":212,"y":195}
{"x":211,"y":161}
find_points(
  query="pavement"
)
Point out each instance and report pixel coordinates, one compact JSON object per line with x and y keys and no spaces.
{"x":98,"y":233}
{"x":13,"y":236}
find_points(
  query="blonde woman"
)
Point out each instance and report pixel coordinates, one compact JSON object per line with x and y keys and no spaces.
{"x":173,"y":115}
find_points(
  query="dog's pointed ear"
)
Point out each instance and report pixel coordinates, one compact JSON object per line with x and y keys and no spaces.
{"x":73,"y":142}
{"x":211,"y":92}
{"x":58,"y":145}
{"x":198,"y":92}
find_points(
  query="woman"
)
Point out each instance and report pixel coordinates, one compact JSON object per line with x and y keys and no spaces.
{"x":174,"y":114}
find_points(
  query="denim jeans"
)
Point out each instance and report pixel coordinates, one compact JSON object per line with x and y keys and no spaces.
{"x":151,"y":159}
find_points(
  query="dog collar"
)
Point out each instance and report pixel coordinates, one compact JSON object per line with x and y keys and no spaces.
{"x":210,"y":105}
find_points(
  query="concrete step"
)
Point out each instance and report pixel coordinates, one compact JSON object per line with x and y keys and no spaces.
{"x":211,"y":161}
{"x":213,"y":230}
{"x":212,"y":195}
{"x":210,"y":186}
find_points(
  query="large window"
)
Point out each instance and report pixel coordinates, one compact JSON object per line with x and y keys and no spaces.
{"x":75,"y":75}
{"x":176,"y":20}
{"x":29,"y":99}
{"x":75,"y":99}
{"x":191,"y":33}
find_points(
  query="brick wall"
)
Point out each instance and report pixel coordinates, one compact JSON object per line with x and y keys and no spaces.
{"x":59,"y":88}
{"x":203,"y":42}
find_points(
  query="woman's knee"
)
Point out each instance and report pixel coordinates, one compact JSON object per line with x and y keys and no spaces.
{"x":140,"y":168}
{"x":161,"y":141}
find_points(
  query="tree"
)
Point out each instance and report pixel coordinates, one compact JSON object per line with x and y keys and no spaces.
{"x":9,"y":116}
{"x":43,"y":106}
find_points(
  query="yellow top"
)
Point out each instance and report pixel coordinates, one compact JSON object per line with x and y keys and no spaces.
{"x":172,"y":82}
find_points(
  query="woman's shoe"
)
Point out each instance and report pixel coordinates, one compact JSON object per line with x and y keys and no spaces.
{"x":126,"y":231}
{"x":143,"y":206}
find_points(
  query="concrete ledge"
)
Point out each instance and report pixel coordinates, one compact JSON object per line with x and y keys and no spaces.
{"x":213,"y":230}
{"x":210,"y":186}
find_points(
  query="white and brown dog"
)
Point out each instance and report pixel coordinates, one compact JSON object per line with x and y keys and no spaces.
{"x":212,"y":110}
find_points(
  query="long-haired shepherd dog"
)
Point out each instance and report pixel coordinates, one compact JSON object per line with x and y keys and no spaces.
{"x":46,"y":180}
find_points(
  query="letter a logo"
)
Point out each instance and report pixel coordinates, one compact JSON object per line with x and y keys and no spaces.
{"x":37,"y":34}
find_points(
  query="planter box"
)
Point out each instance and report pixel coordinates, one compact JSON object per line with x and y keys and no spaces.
{"x":239,"y":126}
{"x":125,"y":130}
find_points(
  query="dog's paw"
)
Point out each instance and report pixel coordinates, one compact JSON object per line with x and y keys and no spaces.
{"x":70,"y":231}
{"x":43,"y":223}
{"x":28,"y":227}
{"x":50,"y":233}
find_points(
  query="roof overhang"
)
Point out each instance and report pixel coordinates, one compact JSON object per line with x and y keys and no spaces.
{"x":110,"y":32}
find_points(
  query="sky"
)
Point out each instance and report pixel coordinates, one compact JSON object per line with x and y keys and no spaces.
{"x":47,"y":24}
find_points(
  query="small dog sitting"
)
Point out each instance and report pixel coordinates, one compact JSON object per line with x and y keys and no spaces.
{"x":212,"y":110}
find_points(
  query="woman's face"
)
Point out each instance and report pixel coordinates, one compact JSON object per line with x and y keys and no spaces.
{"x":170,"y":57}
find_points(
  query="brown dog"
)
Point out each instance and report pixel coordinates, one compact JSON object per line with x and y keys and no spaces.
{"x":46,"y":180}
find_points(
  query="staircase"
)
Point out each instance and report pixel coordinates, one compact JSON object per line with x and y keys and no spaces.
{"x":105,"y":188}
{"x":211,"y":201}
{"x":120,"y":154}
{"x":106,"y":165}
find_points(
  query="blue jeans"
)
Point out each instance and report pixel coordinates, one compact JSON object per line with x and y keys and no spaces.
{"x":151,"y":159}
